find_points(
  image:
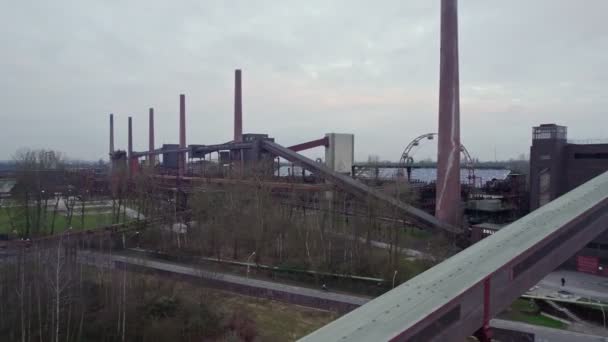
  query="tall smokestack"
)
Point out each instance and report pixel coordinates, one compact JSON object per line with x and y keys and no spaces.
{"x":182,"y":134}
{"x":111,"y":133}
{"x":110,"y":164}
{"x":238,"y":107}
{"x":448,"y":202}
{"x":130,"y":147}
{"x":151,"y":156}
{"x":130,"y":138}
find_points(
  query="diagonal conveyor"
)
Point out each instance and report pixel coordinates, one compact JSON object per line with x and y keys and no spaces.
{"x":357,"y":188}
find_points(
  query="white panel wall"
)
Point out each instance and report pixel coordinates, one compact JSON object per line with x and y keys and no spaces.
{"x":340,"y":154}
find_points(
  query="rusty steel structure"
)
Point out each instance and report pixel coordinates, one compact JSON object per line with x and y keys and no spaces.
{"x":310,"y":144}
{"x":250,"y":150}
{"x":448,"y":204}
{"x":448,"y":302}
{"x":357,"y":188}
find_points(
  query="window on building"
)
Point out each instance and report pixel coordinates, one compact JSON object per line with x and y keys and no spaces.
{"x":599,"y":155}
{"x":550,"y":131}
{"x":595,"y":245}
{"x":544,"y":187}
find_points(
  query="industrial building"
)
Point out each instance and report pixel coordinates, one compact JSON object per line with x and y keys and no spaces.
{"x":558,"y":165}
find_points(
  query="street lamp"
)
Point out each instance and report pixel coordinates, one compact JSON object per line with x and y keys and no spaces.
{"x":394,"y":276}
{"x":603,"y":311}
{"x":249,"y":258}
{"x":125,"y":239}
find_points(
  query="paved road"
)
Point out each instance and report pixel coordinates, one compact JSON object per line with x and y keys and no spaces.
{"x":542,"y":334}
{"x":408,"y":252}
{"x":99,"y":205}
{"x":580,"y":284}
{"x":260,"y":286}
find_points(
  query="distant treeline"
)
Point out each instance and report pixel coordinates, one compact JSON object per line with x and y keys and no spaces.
{"x":7,"y":165}
{"x":515,"y":165}
{"x":11,"y":166}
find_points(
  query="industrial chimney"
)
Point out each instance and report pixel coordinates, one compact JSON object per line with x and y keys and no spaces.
{"x":448,"y":202}
{"x":238,"y":107}
{"x":181,"y":164}
{"x":151,"y":156}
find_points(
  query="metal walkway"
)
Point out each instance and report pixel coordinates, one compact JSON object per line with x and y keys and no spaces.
{"x":455,"y":298}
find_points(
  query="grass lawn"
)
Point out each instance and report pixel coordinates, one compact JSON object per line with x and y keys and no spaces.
{"x":406,"y":268}
{"x":416,"y":233}
{"x":522,"y":310}
{"x":4,"y":221}
{"x":411,"y":268}
{"x":91,"y":220}
{"x":540,"y":321}
{"x":275,"y":321}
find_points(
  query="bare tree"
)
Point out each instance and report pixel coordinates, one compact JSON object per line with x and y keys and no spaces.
{"x":38,"y":174}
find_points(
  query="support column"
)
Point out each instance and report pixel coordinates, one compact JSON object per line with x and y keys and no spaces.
{"x":484,"y":334}
{"x":181,"y":163}
{"x":151,"y":156}
{"x":448,"y":206}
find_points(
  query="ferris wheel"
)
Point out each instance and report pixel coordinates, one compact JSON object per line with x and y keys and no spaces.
{"x":407,"y":158}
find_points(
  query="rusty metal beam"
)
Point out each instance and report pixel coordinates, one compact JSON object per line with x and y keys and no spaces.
{"x":195,"y":149}
{"x":232,"y":181}
{"x":310,"y":144}
{"x":418,"y":165}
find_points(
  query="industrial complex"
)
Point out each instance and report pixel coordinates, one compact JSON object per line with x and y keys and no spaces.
{"x":402,"y":250}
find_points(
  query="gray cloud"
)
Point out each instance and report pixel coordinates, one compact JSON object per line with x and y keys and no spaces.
{"x":310,"y":67}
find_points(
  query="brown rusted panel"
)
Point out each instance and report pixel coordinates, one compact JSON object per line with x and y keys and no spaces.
{"x":310,"y":144}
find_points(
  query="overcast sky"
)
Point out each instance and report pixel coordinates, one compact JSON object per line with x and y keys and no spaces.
{"x":309,"y":67}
